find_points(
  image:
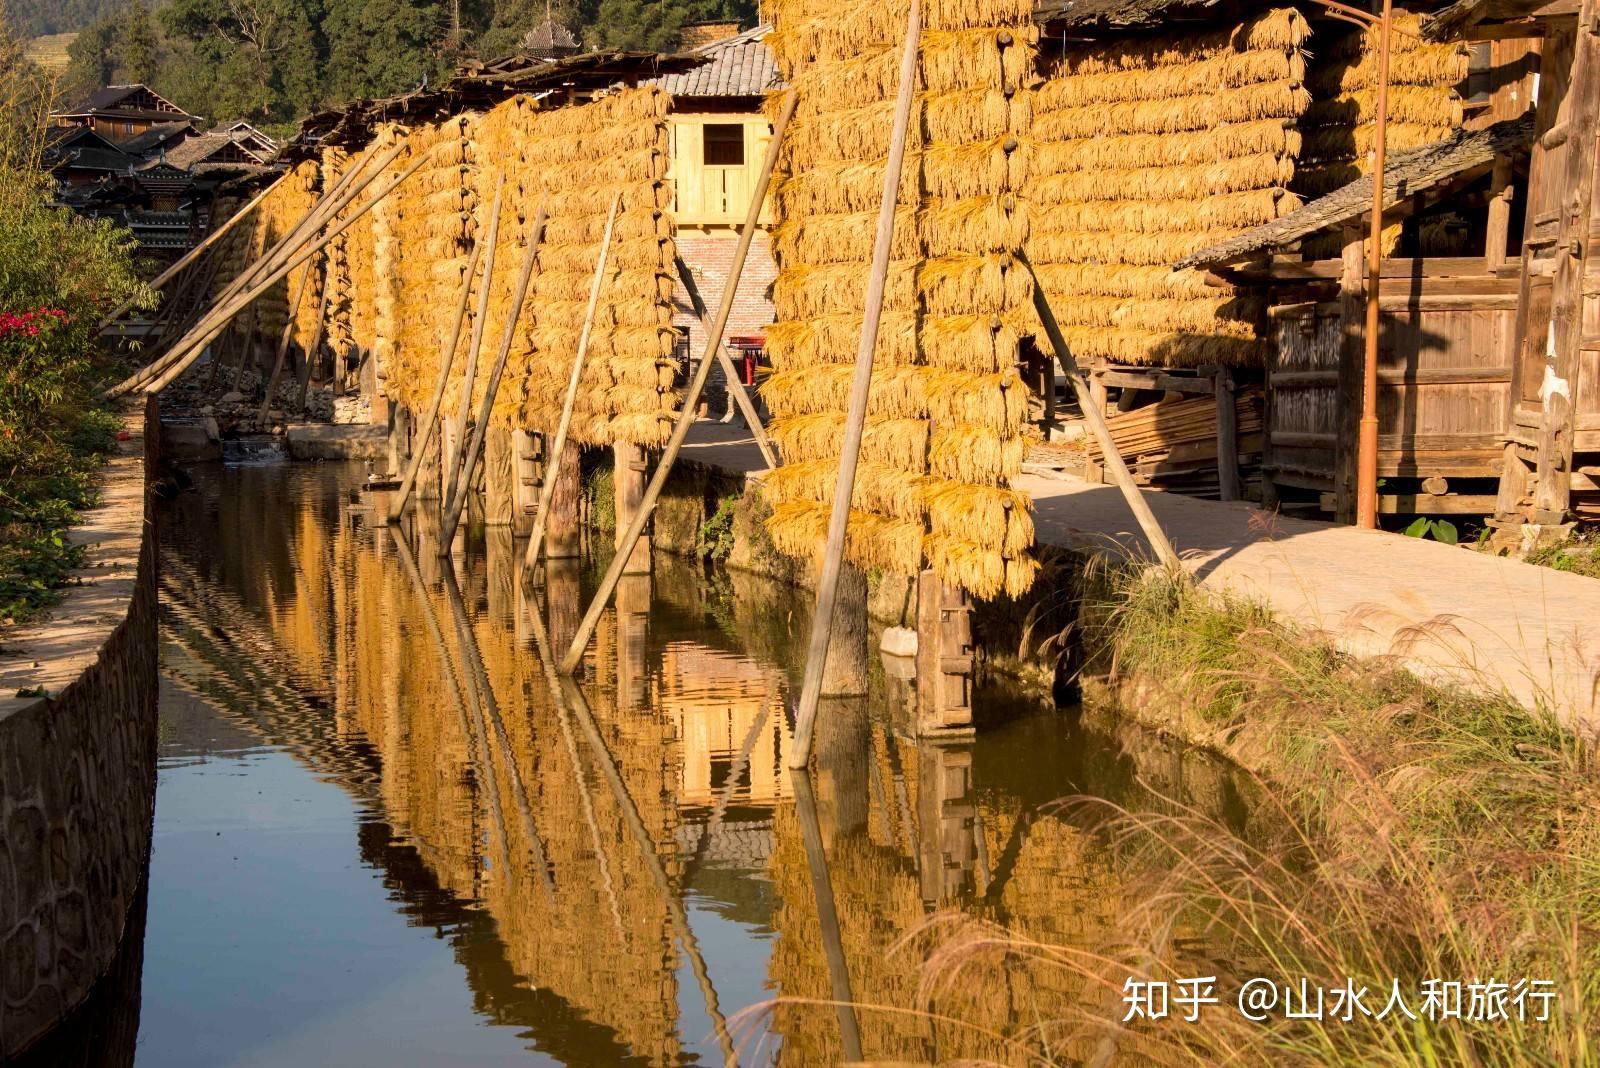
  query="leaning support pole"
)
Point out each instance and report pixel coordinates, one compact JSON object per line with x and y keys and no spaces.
{"x":248,"y":284}
{"x":480,"y":429}
{"x":172,"y":272}
{"x":1116,"y":466}
{"x":680,"y":429}
{"x":558,"y":448}
{"x":741,"y":396}
{"x":451,"y":436}
{"x":284,"y":341}
{"x":202,"y":335}
{"x":446,"y":358}
{"x":856,"y":418}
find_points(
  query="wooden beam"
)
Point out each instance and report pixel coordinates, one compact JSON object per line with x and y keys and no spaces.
{"x":736,"y":388}
{"x":1227,"y":438}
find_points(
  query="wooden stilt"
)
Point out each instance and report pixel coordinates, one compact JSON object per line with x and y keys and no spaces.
{"x":1347,"y":400}
{"x":283,"y":344}
{"x":628,"y":480}
{"x":680,"y":429}
{"x":736,"y":389}
{"x":944,"y":656}
{"x":492,"y":388}
{"x":400,"y":433}
{"x":1227,"y":438}
{"x":1558,"y":393}
{"x":499,"y":478}
{"x":855,"y":419}
{"x":557,"y":450}
{"x":945,"y":815}
{"x":1116,"y":467}
{"x":430,"y":418}
{"x":633,"y":636}
{"x":524,"y":479}
{"x":247,"y":351}
{"x":563,"y":529}
{"x":846,"y":668}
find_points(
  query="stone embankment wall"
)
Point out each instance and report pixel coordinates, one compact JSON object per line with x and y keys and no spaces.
{"x":77,"y":765}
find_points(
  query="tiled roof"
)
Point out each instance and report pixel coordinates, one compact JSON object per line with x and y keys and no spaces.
{"x":740,"y":66}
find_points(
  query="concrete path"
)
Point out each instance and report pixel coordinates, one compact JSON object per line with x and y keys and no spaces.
{"x":1449,"y":613}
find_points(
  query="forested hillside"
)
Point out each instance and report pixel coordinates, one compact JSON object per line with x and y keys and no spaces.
{"x":273,"y":61}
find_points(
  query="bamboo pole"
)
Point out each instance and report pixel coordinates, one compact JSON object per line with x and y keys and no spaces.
{"x":216,"y":235}
{"x":247,"y":351}
{"x":855,"y":420}
{"x":283,"y":343}
{"x":680,"y":430}
{"x":481,"y":428}
{"x":736,"y":388}
{"x":430,"y":420}
{"x":202,"y":335}
{"x":552,"y":467}
{"x":1115,"y":465}
{"x":334,"y":201}
{"x":316,"y":337}
{"x":149,"y":371}
{"x":469,"y":374}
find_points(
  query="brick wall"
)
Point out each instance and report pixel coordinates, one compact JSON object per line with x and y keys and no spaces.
{"x":710,"y":258}
{"x":77,"y":795}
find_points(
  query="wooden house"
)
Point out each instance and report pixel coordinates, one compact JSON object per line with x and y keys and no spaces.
{"x":122,"y":112}
{"x":718,"y":138}
{"x":1485,"y":408}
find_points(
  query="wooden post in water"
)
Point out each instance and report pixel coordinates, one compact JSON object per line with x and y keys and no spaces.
{"x":686,"y":416}
{"x":847,"y":665}
{"x":628,"y":477}
{"x":525,"y":465}
{"x":499,"y":478}
{"x":563,"y":530}
{"x":944,"y":656}
{"x":855,"y":419}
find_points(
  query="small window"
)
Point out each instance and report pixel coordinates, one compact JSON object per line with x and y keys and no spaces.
{"x":724,"y":144}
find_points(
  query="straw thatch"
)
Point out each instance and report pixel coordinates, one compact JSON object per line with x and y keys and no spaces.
{"x":1424,"y":107}
{"x":1146,"y":150}
{"x":947,"y":407}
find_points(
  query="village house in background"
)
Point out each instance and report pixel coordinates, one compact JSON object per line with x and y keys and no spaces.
{"x":718,"y":138}
{"x":128,"y":154}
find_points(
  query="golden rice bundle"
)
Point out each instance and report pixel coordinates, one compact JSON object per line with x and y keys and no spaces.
{"x":1195,"y":113}
{"x":1276,"y":137}
{"x":1241,"y":174}
{"x":1408,"y":104}
{"x":948,"y":343}
{"x":1212,"y":74}
{"x":1279,"y":30}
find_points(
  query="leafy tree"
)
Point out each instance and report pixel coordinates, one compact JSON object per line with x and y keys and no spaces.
{"x":137,"y":45}
{"x":257,"y":59}
{"x":382,"y":47}
{"x":92,"y":58}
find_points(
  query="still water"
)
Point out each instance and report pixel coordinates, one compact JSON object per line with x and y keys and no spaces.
{"x":379,"y":840}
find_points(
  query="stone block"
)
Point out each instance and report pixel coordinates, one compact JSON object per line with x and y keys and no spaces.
{"x":319,"y":441}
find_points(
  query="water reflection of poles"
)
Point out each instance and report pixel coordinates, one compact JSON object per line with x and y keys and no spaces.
{"x":735,"y":773}
{"x":488,"y":709}
{"x":827,"y":915}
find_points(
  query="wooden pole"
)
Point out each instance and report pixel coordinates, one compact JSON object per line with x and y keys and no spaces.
{"x":736,"y":388}
{"x":486,"y":406}
{"x":217,"y":361}
{"x":680,"y":430}
{"x":202,"y":335}
{"x":334,"y":201}
{"x":283,"y":342}
{"x":447,"y":357}
{"x":1559,"y":391}
{"x":855,"y":419}
{"x":452,"y":436}
{"x":1367,"y":463}
{"x":315,"y":348}
{"x":557,"y":449}
{"x":247,"y":351}
{"x":1115,"y":465}
{"x":216,"y":235}
{"x":827,"y":916}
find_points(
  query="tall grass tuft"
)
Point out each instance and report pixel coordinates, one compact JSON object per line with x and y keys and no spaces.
{"x":1403,"y":831}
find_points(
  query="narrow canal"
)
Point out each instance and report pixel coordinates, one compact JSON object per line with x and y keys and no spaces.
{"x":379,"y":841}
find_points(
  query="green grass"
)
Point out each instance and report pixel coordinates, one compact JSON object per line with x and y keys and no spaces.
{"x":1581,"y":555}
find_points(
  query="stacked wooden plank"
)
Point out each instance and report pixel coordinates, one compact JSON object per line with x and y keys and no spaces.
{"x":1172,"y":444}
